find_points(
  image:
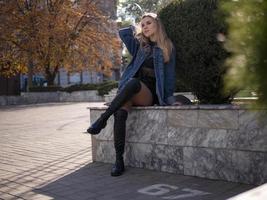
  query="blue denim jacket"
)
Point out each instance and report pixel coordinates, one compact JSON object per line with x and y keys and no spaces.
{"x":165,"y":72}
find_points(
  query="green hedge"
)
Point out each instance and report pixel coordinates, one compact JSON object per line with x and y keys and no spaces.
{"x":193,"y":26}
{"x":102,"y":88}
{"x":45,"y":89}
{"x":106,"y":87}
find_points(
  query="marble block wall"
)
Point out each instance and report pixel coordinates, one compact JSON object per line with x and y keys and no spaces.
{"x":216,"y":142}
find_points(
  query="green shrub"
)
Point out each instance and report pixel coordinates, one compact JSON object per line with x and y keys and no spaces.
{"x":45,"y":89}
{"x":80,"y":87}
{"x":102,"y":88}
{"x":193,"y":26}
{"x":105,"y":87}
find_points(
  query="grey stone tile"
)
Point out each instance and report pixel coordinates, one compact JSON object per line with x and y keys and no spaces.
{"x":104,"y":151}
{"x":152,"y":131}
{"x":249,"y":166}
{"x":198,"y":137}
{"x":250,"y":140}
{"x":222,"y":119}
{"x":156,"y":157}
{"x":252,"y":119}
{"x":182,"y":118}
{"x":199,"y":162}
{"x":241,"y":166}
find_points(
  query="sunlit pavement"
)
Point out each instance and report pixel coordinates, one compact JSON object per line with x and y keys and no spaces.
{"x":45,"y":154}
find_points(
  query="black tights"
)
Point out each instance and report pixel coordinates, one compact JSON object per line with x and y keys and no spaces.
{"x":130,"y":89}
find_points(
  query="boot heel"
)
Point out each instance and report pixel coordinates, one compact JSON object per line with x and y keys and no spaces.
{"x":117,"y":169}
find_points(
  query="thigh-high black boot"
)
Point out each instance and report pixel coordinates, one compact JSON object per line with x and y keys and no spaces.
{"x":120,"y":118}
{"x":130,"y":89}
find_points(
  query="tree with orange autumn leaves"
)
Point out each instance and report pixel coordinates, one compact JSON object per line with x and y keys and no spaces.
{"x":45,"y":35}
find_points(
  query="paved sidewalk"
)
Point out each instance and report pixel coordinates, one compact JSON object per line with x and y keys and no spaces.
{"x":46,"y":155}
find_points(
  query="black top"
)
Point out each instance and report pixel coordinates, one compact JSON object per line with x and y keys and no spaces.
{"x":147,"y":68}
{"x":149,"y":63}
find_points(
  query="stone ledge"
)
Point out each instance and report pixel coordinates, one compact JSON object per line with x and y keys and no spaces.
{"x":213,"y":142}
{"x":183,"y":107}
{"x":48,"y":97}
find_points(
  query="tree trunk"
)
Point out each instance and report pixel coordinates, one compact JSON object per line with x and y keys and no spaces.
{"x":81,"y":77}
{"x":50,"y":80}
{"x":50,"y":76}
{"x":30,"y":72}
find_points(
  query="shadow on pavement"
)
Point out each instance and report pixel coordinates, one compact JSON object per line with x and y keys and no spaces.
{"x":94,"y":182}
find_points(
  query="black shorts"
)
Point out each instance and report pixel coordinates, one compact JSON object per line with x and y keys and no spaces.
{"x":150,"y":82}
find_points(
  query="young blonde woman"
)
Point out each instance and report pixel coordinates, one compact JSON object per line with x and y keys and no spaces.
{"x":149,"y":79}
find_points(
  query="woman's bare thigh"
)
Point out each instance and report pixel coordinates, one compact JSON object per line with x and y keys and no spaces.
{"x":143,"y":98}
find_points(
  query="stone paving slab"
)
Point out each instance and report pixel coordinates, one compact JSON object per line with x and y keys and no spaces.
{"x":46,"y":155}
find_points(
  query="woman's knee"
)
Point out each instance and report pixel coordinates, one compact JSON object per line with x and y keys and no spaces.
{"x":134,"y":84}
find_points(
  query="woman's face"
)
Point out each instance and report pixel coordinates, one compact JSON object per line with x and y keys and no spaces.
{"x":149,"y":27}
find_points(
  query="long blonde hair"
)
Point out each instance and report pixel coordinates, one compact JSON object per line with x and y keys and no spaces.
{"x":162,"y":39}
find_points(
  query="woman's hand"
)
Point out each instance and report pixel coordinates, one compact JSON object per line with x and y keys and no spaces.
{"x":177,"y":103}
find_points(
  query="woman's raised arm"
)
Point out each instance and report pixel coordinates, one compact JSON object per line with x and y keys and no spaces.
{"x":127,"y":36}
